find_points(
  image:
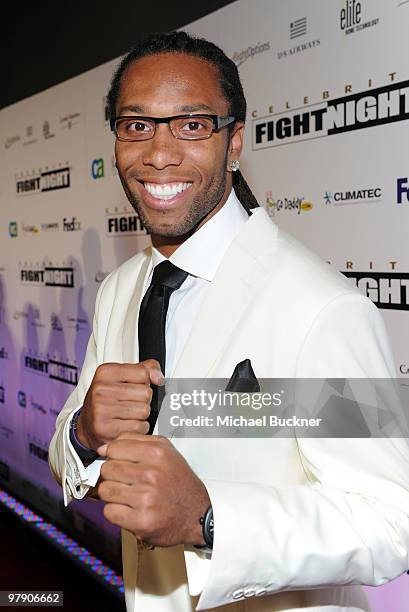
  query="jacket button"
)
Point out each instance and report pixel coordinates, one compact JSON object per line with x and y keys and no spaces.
{"x":238,"y":594}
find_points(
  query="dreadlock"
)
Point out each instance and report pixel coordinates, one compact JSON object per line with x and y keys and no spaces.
{"x":229,"y":81}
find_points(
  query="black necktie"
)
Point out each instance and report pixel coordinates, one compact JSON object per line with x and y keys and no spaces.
{"x":166,"y":278}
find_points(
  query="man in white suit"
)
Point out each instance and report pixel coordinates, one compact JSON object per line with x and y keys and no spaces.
{"x":298,"y":522}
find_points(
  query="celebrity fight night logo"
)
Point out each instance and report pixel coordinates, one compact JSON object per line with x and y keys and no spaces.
{"x":357,"y":111}
{"x":40,"y":181}
{"x":53,"y":368}
{"x":47,"y":275}
{"x":123,"y":223}
{"x":387,"y":289}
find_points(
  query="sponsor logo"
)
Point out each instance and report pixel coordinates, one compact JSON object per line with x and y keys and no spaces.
{"x":13,"y":229}
{"x":33,"y":313}
{"x":350,"y":19}
{"x":123,"y":223}
{"x":356,"y":196}
{"x":55,"y":323}
{"x":31,"y":139}
{"x":298,"y":29}
{"x":55,"y":369}
{"x":37,"y":406}
{"x":78,"y":323}
{"x":297,"y":204}
{"x":354,"y":112}
{"x":2,"y":394}
{"x":69,"y":121}
{"x":3,"y":353}
{"x":239,"y":57}
{"x":10,"y":141}
{"x":29,"y":229}
{"x":97,"y":168}
{"x":50,"y":227}
{"x":404,"y":367}
{"x":21,"y":399}
{"x":48,"y":276}
{"x":71,"y":226}
{"x":47,"y":133}
{"x":402,"y":194}
{"x":43,"y":181}
{"x":38,"y":451}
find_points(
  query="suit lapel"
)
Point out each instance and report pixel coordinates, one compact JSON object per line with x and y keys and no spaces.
{"x":130,"y":348}
{"x":238,"y":278}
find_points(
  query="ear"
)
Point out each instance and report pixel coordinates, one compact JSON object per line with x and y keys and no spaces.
{"x":236,"y":142}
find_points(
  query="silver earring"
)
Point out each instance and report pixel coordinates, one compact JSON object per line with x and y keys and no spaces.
{"x":234,"y":165}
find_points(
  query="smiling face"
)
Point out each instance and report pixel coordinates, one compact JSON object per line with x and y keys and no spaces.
{"x":175,"y":185}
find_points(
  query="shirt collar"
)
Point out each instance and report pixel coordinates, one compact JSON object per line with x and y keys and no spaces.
{"x":201,"y":254}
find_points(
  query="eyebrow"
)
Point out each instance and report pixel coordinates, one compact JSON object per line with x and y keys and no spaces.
{"x":185,"y":108}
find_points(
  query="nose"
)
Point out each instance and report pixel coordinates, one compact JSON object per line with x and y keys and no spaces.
{"x":163,"y":149}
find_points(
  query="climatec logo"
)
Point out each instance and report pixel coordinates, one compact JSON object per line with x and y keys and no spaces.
{"x":366,"y":109}
{"x":40,"y":181}
{"x":123,"y":223}
{"x":47,"y":275}
{"x":354,"y":196}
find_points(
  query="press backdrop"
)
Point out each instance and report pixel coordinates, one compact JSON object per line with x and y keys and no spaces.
{"x":325,"y":152}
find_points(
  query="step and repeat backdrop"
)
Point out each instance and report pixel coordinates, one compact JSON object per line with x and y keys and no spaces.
{"x":327,"y":86}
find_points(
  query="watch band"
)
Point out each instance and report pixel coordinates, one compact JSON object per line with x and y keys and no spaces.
{"x":82,"y":451}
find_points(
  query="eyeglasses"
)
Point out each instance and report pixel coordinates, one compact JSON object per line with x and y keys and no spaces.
{"x":183,"y":127}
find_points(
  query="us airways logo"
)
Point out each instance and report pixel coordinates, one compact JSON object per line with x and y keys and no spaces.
{"x":47,"y":275}
{"x":123,"y":222}
{"x":366,"y":109}
{"x":387,"y":289}
{"x":51,"y":367}
{"x":40,"y":181}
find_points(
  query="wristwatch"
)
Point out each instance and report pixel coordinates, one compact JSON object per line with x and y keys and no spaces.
{"x":207,"y":524}
{"x":84,"y":453}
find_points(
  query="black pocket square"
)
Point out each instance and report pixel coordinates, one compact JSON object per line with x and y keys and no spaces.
{"x":243,"y":379}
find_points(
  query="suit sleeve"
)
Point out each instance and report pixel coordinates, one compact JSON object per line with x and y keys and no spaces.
{"x":349,"y":524}
{"x":65,"y":464}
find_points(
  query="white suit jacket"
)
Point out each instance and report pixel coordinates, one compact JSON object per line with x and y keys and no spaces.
{"x":298,"y":522}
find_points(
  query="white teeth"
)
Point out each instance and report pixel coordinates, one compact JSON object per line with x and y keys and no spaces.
{"x":167,"y":190}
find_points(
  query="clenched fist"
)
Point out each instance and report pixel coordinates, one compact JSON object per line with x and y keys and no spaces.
{"x":150,"y":490}
{"x":118,"y":401}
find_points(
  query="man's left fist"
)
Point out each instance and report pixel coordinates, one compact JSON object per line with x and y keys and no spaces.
{"x":150,"y":489}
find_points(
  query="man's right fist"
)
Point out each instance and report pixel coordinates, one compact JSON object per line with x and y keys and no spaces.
{"x":117,"y":401}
